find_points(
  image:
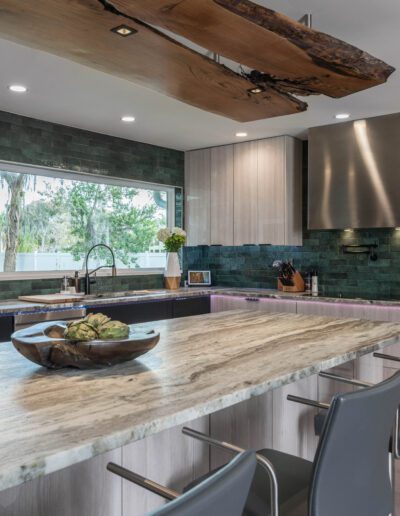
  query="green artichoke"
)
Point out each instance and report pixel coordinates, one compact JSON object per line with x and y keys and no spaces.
{"x":96,"y":320}
{"x":80,"y":331}
{"x":113,"y":330}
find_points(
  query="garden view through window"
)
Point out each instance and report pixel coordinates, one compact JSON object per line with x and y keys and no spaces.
{"x":49,"y":223}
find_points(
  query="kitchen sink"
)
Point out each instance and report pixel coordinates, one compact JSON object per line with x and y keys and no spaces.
{"x":130,"y":293}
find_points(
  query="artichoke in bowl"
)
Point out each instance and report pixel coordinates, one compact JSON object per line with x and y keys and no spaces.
{"x":113,"y":330}
{"x":80,"y":331}
{"x":96,"y":320}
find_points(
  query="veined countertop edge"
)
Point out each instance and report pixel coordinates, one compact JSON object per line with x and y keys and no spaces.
{"x":17,"y":307}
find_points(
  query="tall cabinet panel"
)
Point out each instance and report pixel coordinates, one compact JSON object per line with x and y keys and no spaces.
{"x":293,"y":192}
{"x":245,"y":187}
{"x":197,"y":196}
{"x":271,"y":191}
{"x":222,"y":195}
{"x":279,"y":191}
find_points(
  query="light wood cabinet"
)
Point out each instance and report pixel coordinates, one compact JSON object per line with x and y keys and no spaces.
{"x":279,"y":191}
{"x":197,"y":196}
{"x":246,"y":193}
{"x":222,"y":195}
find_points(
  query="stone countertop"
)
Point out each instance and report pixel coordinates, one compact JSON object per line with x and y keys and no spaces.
{"x":53,"y":419}
{"x":16,"y":307}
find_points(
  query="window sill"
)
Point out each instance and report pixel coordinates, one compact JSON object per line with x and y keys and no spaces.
{"x":15,"y":276}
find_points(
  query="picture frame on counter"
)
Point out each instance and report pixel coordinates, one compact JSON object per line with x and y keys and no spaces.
{"x":199,"y":278}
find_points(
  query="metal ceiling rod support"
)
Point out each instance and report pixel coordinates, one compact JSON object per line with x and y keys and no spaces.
{"x":306,"y":20}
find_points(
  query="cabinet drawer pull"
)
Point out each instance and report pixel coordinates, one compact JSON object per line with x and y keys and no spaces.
{"x":252,"y":299}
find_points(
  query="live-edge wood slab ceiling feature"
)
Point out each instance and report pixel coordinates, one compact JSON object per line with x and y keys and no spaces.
{"x":285,"y":57}
{"x":80,"y":30}
{"x":281,"y":51}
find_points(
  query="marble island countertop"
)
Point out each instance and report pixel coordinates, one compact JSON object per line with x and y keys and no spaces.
{"x":53,"y":419}
{"x":17,"y":307}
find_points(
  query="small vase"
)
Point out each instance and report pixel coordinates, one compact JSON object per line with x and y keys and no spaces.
{"x":172,"y":273}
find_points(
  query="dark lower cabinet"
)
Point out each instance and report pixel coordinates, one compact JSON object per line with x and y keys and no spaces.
{"x":131,"y":313}
{"x":6,"y":327}
{"x":147,"y":311}
{"x":186,"y":306}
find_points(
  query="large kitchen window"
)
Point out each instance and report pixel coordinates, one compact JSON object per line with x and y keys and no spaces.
{"x":50,"y":219}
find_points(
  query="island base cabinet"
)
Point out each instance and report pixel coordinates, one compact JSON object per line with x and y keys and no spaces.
{"x":169,"y":458}
{"x":88,"y":489}
{"x":84,"y":489}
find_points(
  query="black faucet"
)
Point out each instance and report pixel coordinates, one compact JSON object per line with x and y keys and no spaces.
{"x":88,"y":280}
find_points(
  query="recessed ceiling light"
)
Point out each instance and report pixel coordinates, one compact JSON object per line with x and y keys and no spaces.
{"x":342,"y":116}
{"x":256,"y":89}
{"x":128,"y":119}
{"x":18,"y":88}
{"x":124,"y":30}
{"x":241,"y":135}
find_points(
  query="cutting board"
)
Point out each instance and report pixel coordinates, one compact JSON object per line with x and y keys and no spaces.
{"x":50,"y":299}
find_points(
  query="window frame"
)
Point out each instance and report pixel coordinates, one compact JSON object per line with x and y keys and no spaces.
{"x":62,"y":173}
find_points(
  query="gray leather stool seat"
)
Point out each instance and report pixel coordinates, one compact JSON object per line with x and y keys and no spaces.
{"x":294,"y":477}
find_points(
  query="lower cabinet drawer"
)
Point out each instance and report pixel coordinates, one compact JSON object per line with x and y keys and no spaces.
{"x":186,"y":306}
{"x":6,"y":327}
{"x":131,"y":313}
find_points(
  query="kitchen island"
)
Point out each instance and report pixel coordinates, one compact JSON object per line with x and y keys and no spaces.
{"x":55,"y":419}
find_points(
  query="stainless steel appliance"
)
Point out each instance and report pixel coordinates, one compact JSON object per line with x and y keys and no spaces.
{"x":354,"y":174}
{"x":25,"y":320}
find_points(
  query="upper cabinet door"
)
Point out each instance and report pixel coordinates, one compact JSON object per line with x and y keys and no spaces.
{"x":245,"y":194}
{"x":222,"y":195}
{"x":293,"y":191}
{"x":271,"y":191}
{"x":280,"y":191}
{"x":197,"y":197}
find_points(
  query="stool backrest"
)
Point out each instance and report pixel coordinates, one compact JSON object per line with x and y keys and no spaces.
{"x":351,"y":467}
{"x":222,"y":494}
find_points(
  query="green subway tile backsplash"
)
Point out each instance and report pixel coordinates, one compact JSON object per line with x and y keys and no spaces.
{"x":36,"y":142}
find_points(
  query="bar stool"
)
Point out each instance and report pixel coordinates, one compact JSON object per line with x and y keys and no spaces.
{"x":320,"y":418}
{"x":222,"y":494}
{"x":350,"y":472}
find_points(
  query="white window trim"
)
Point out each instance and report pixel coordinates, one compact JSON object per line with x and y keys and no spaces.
{"x":23,"y":168}
{"x":26,"y":275}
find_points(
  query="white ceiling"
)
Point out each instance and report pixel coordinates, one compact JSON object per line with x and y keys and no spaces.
{"x":65,"y":92}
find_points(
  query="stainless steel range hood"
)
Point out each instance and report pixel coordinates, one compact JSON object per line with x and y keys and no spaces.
{"x":354,"y":174}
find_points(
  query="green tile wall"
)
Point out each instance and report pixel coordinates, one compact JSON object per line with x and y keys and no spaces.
{"x":27,"y":140}
{"x":250,"y":266}
{"x":36,"y":142}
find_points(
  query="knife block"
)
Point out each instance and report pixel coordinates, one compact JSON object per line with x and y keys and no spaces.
{"x":297,"y":284}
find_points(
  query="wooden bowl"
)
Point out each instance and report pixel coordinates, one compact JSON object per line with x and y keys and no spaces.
{"x":45,"y":345}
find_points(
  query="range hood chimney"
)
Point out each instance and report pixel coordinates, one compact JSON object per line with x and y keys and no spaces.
{"x":354,"y":174}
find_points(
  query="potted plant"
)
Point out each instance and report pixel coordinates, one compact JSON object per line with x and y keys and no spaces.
{"x":173,"y":239}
